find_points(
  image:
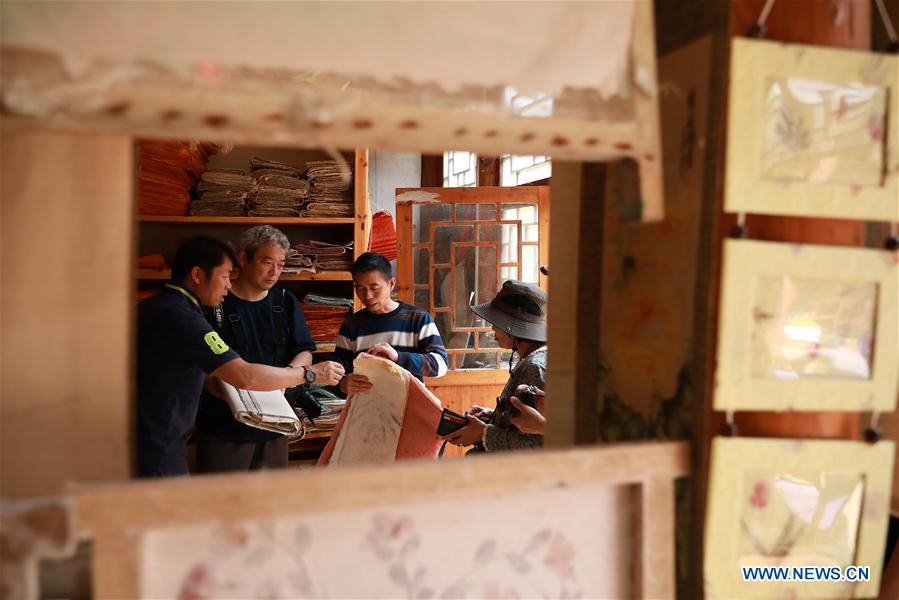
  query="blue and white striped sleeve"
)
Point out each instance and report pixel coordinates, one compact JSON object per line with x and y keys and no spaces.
{"x":345,"y":348}
{"x":430,"y":360}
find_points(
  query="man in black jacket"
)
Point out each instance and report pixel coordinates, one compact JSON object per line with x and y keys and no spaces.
{"x":266,"y":325}
{"x":177,"y":347}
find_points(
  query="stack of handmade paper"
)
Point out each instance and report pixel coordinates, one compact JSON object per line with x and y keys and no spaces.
{"x":166,"y":172}
{"x":222,"y":193}
{"x":325,"y":256}
{"x":296,"y":263}
{"x":330,"y":184}
{"x":279,"y":190}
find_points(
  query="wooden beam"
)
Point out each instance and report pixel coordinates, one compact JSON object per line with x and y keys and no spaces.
{"x":468,"y":195}
{"x":116,"y":509}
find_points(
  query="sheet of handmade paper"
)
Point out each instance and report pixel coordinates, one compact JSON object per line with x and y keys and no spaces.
{"x":370,"y":433}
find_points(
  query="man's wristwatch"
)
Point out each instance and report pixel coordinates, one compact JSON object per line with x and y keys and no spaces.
{"x":308,"y":374}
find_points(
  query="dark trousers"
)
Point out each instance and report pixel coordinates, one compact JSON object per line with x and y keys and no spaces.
{"x":215,"y":455}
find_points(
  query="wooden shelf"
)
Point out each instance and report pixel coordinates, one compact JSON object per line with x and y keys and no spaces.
{"x":165,"y":275}
{"x":301,"y":221}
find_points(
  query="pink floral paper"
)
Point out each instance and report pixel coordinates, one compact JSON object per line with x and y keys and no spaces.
{"x":561,"y":544}
{"x":793,"y":518}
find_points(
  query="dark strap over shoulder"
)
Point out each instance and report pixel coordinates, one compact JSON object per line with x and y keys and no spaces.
{"x":228,"y":321}
{"x":279,"y":321}
{"x":233,"y":325}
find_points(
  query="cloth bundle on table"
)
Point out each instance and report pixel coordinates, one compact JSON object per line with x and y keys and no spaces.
{"x":394,"y":420}
{"x":383,"y":235}
{"x":263,"y":410}
{"x":166,"y":172}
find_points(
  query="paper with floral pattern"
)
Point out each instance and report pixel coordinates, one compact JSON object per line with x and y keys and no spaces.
{"x":800,"y":518}
{"x":552,"y":544}
{"x":824,"y":132}
{"x":813,"y":328}
{"x":795,"y":503}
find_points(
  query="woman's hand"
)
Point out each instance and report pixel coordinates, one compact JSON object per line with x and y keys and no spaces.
{"x":353,"y":384}
{"x":468,"y":435}
{"x":529,"y":420}
{"x":479,"y":412}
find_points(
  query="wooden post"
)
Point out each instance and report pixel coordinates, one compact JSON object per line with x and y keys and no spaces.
{"x":574,"y":304}
{"x":655,"y":560}
{"x":116,"y":565}
{"x":362,"y":227}
{"x":66,"y":374}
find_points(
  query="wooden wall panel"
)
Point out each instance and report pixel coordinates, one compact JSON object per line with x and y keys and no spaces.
{"x":459,"y":398}
{"x":65,"y":310}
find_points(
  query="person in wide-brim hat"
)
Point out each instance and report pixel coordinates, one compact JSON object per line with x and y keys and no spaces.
{"x":518,"y":316}
{"x":519,"y":309}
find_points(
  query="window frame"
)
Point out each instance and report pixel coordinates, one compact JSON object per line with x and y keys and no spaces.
{"x":537,"y":195}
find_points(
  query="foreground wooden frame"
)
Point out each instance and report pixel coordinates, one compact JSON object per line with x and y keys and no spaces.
{"x":115,"y":517}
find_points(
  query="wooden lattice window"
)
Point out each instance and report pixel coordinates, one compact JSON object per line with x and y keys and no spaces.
{"x":457,"y":247}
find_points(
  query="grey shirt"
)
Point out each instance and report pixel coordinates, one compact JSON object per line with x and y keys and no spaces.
{"x":500,"y":433}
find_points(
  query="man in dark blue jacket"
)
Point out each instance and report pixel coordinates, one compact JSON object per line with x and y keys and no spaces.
{"x":177,"y":347}
{"x":266,"y":325}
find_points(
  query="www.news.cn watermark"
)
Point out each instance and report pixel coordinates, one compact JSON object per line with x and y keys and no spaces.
{"x":806,"y":573}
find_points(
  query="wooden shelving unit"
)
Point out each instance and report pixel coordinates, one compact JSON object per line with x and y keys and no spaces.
{"x":161,"y":233}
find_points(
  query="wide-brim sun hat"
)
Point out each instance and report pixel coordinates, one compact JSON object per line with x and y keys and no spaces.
{"x":518,"y":309}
